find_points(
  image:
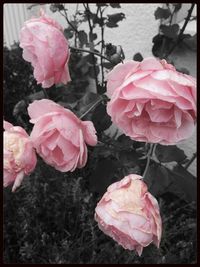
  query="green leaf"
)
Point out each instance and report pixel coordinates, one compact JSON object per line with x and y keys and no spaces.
{"x":125,"y":141}
{"x":162,"y":13}
{"x":82,"y":35}
{"x":161,"y":44}
{"x":115,"y":18}
{"x":102,"y":4}
{"x":101,"y":151}
{"x":68,"y":33}
{"x":97,"y":20}
{"x":115,"y":5}
{"x":92,"y":36}
{"x":56,"y":7}
{"x":177,"y":7}
{"x":128,"y":158}
{"x":111,"y":24}
{"x":157,"y":179}
{"x":184,"y":184}
{"x":170,"y":31}
{"x":108,"y":65}
{"x":110,"y":49}
{"x":138,"y":57}
{"x":169,"y":153}
{"x":101,"y":119}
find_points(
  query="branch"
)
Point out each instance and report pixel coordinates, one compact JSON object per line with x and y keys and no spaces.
{"x":190,"y":161}
{"x":91,"y":52}
{"x":187,"y":19}
{"x":102,"y":46}
{"x":87,"y":9}
{"x":149,"y":155}
{"x":66,"y":17}
{"x":93,"y":106}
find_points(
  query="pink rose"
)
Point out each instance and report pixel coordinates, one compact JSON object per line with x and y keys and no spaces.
{"x":129,"y":214}
{"x":151,"y":101}
{"x":45,"y":46}
{"x":59,"y":136}
{"x":19,"y":156}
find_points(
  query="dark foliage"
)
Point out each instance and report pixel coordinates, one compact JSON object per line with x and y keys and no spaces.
{"x":50,"y":219}
{"x":18,"y":80}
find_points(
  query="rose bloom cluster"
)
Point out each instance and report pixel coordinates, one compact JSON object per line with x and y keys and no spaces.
{"x":19,"y":156}
{"x":129,"y":214}
{"x":45,"y":46}
{"x":59,"y":136}
{"x":149,"y":101}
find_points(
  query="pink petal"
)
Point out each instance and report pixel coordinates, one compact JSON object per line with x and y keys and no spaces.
{"x":83,"y":151}
{"x":8,"y":177}
{"x":18,"y":181}
{"x":151,"y":64}
{"x":89,"y":133}
{"x":41,"y":107}
{"x":118,"y":74}
{"x":7,"y":125}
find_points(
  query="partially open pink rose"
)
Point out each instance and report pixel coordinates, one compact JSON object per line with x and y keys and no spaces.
{"x":19,"y":156}
{"x":129,"y":214}
{"x":59,"y":136}
{"x":45,"y":46}
{"x":151,"y":101}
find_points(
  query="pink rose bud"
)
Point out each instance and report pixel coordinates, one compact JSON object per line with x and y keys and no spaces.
{"x":59,"y":136}
{"x":151,"y":101}
{"x":19,"y":156}
{"x":45,"y":46}
{"x":129,"y":214}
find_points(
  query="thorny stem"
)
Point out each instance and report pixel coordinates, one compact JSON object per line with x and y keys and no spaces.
{"x":191,"y":160}
{"x":90,"y":52}
{"x":87,"y":9}
{"x":187,"y":19}
{"x":149,"y":155}
{"x":93,"y":106}
{"x":102,"y":46}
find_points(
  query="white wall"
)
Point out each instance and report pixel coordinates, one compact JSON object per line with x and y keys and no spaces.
{"x":134,"y":33}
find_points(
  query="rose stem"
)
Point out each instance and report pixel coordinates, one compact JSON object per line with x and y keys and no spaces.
{"x":149,"y":155}
{"x":94,"y":105}
{"x":89,"y":51}
{"x":45,"y":93}
{"x":190,"y":161}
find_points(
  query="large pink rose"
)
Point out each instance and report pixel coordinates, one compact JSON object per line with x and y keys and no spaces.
{"x":59,"y":136}
{"x":151,"y":101}
{"x":45,"y":46}
{"x":19,"y":156}
{"x":129,"y":214}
